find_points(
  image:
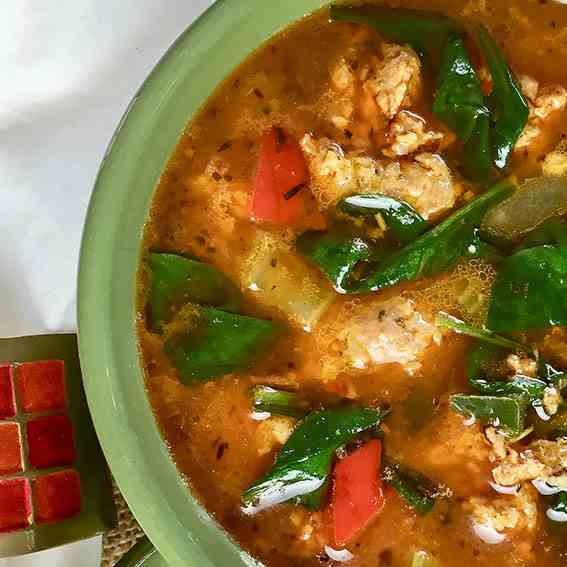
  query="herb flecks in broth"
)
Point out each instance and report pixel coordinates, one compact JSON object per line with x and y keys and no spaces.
{"x":351,"y":305}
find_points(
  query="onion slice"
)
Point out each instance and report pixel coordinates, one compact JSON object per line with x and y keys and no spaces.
{"x":488,"y":534}
{"x":536,"y":201}
{"x":342,"y":555}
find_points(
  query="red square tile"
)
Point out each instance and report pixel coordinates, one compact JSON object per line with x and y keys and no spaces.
{"x":41,"y":385}
{"x":15,"y":504}
{"x":50,"y":441}
{"x":10,"y":448}
{"x":7,"y":405}
{"x":57,"y":496}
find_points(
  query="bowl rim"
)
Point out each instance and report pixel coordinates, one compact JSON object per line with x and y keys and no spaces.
{"x":223,"y":35}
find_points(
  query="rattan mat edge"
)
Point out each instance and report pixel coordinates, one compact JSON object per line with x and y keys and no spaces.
{"x":116,"y":543}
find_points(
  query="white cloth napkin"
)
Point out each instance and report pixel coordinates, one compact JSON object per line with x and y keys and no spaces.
{"x":68,"y":69}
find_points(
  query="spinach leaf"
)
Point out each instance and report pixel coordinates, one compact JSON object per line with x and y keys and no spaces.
{"x":460,"y":103}
{"x":176,"y":281}
{"x":425,"y":31}
{"x":404,"y":221}
{"x":476,"y":158}
{"x":530,"y":291}
{"x":507,"y":412}
{"x":302,"y":469}
{"x":449,"y":322}
{"x":508,"y":107}
{"x":280,"y":402}
{"x":214,"y":343}
{"x":483,"y":369}
{"x":338,"y":256}
{"x":414,"y":489}
{"x":437,"y":250}
{"x":459,"y":100}
{"x":532,"y":388}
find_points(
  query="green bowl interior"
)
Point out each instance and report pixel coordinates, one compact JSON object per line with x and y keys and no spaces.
{"x":205,"y":54}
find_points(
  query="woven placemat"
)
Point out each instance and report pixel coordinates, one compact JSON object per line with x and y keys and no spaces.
{"x":117,"y":543}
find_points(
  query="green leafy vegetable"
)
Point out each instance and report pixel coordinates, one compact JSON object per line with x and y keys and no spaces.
{"x":214,"y":343}
{"x":530,"y":291}
{"x":449,"y":322}
{"x":486,"y":372}
{"x":404,"y":221}
{"x":280,"y":402}
{"x":485,"y":369}
{"x":412,"y":488}
{"x":459,"y":100}
{"x":508,"y":107}
{"x":437,"y":250}
{"x":460,"y":103}
{"x":336,"y":255}
{"x":425,"y":31}
{"x":532,"y":388}
{"x":301,"y":470}
{"x":476,"y":158}
{"x":176,"y":281}
{"x":507,"y":412}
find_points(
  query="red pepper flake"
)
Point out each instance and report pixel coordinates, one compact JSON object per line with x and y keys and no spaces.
{"x":57,"y":496}
{"x":41,"y":385}
{"x":50,"y":441}
{"x":15,"y":504}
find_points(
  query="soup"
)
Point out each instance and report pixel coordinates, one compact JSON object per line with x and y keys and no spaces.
{"x":353,"y":291}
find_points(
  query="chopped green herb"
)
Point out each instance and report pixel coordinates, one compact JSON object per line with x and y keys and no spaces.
{"x":449,"y":322}
{"x":279,"y":402}
{"x":507,"y":412}
{"x":412,"y":488}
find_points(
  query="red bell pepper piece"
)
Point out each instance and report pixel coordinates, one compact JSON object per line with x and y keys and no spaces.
{"x":281,"y":170}
{"x":358,"y":492}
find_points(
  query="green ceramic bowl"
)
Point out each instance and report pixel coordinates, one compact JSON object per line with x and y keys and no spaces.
{"x":206,"y":53}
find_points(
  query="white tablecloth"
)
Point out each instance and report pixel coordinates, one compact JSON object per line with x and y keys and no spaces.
{"x":68,"y":69}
